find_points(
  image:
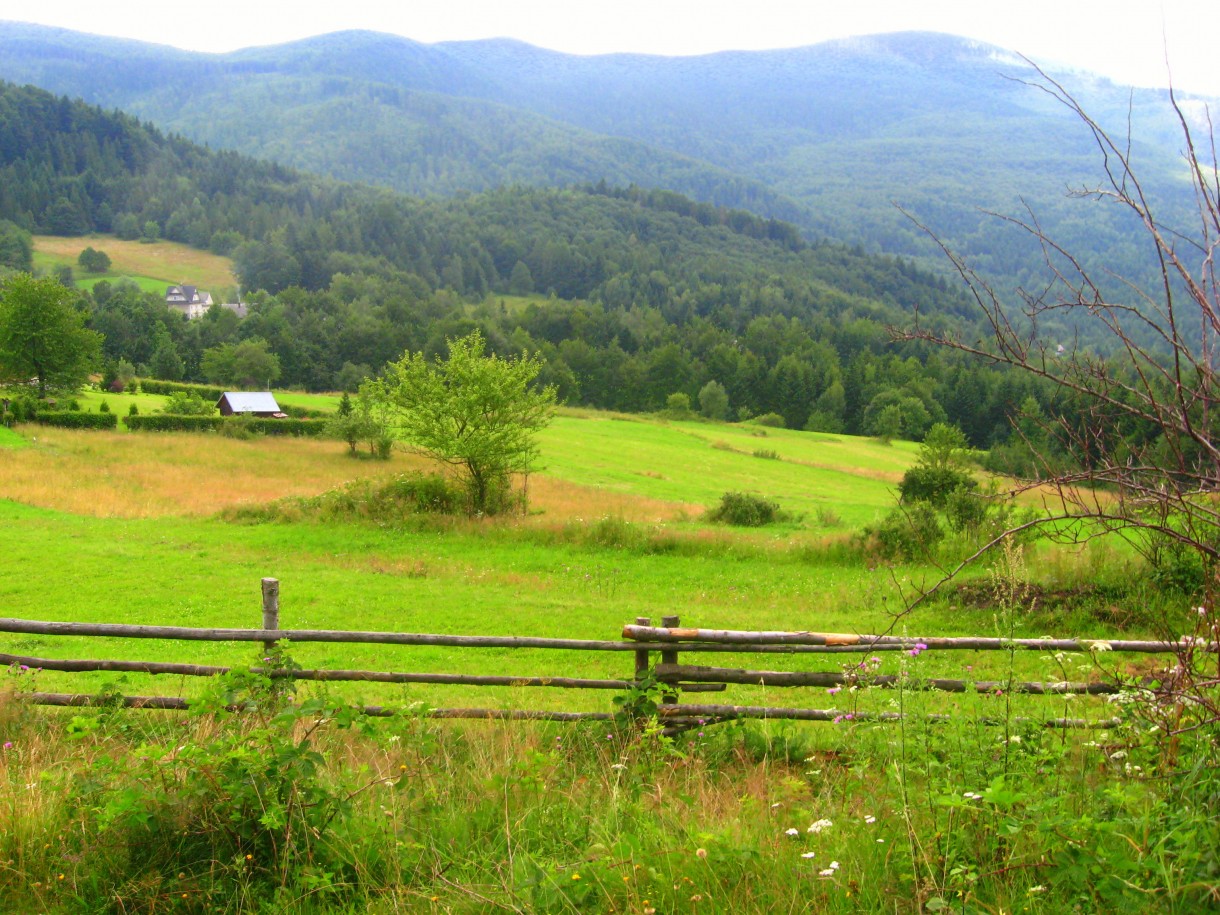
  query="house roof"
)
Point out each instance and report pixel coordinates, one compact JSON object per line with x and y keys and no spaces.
{"x":251,"y":401}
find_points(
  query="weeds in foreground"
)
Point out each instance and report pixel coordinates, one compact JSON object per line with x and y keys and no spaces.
{"x":258,"y":803}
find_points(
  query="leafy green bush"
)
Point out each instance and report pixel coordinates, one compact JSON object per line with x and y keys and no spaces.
{"x":912,"y":532}
{"x":245,"y":808}
{"x":188,"y":403}
{"x":743,"y":509}
{"x":935,"y":485}
{"x":773,"y":420}
{"x":73,"y":419}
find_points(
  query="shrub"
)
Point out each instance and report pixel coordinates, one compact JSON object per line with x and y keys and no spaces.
{"x":188,"y":403}
{"x":911,"y":533}
{"x":133,"y":410}
{"x":773,"y":420}
{"x":926,"y":483}
{"x":767,"y":453}
{"x":238,"y":427}
{"x":743,"y":509}
{"x":677,"y":406}
{"x":104,"y":407}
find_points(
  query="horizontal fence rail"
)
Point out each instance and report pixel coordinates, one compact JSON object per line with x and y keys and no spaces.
{"x":666,"y":676}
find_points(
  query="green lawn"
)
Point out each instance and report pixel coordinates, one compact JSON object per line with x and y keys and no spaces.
{"x":816,"y":475}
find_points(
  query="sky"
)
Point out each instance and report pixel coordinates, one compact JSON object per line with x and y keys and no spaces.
{"x":1137,"y":43}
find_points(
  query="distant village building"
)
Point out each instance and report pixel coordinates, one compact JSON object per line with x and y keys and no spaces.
{"x":194,"y":303}
{"x":256,"y":403}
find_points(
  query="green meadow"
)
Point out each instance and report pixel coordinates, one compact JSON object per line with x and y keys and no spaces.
{"x":151,"y":265}
{"x":304,"y":806}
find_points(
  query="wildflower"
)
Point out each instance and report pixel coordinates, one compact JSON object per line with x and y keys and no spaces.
{"x":819,"y":825}
{"x":792,"y":831}
{"x":576,"y":876}
{"x":8,"y":744}
{"x":971,"y":796}
{"x":1037,"y":889}
{"x":702,"y":852}
{"x":917,"y":649}
{"x":870,"y":819}
{"x":808,"y":854}
{"x":830,"y":871}
{"x":833,"y":690}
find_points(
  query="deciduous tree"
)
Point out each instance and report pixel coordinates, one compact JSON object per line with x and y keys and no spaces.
{"x":43,"y":336}
{"x":480,"y":414}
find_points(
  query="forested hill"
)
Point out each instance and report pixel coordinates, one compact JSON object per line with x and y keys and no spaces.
{"x":631,"y":295}
{"x":828,"y":137}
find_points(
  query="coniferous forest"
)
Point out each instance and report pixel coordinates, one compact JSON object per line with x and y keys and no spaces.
{"x":631,"y":295}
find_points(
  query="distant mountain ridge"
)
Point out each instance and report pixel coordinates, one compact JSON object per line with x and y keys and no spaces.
{"x":829,"y":136}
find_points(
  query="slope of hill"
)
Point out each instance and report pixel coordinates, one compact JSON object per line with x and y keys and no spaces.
{"x":631,"y":295}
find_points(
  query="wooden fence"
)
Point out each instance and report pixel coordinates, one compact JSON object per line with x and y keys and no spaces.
{"x":655,"y":669}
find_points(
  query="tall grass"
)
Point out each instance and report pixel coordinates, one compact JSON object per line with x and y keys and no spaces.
{"x":305,"y":808}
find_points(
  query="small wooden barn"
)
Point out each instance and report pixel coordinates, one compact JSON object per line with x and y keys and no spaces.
{"x":256,"y":403}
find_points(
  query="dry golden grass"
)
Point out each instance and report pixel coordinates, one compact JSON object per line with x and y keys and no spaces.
{"x":126,"y":475}
{"x":559,"y":499}
{"x":169,"y":261}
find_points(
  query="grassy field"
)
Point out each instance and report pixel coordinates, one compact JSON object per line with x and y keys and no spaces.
{"x":153,"y":266}
{"x":979,"y":811}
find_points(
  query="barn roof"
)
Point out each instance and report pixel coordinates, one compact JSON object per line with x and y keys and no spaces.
{"x":250,"y":401}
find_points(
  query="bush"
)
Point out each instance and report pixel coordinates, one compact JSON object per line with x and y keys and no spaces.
{"x":911,"y":533}
{"x":188,"y":403}
{"x":74,"y":419}
{"x":773,"y":420}
{"x":743,"y":509}
{"x":104,"y":408}
{"x":926,"y":483}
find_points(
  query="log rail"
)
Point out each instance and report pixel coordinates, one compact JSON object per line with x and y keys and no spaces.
{"x":655,"y":666}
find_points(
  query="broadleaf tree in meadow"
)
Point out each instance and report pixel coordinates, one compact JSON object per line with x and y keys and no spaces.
{"x":478,"y":413}
{"x":43,"y":337}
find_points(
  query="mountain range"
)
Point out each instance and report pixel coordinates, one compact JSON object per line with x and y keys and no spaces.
{"x":834,"y":137}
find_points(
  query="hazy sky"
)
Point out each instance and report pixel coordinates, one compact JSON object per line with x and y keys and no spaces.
{"x":1127,"y":41}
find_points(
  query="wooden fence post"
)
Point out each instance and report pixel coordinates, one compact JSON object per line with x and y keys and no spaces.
{"x":641,"y":655}
{"x":271,"y":608}
{"x":670,"y":656}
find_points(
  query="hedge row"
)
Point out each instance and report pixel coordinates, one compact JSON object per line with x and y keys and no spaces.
{"x":169,"y":422}
{"x":152,"y":386}
{"x":74,"y":419}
